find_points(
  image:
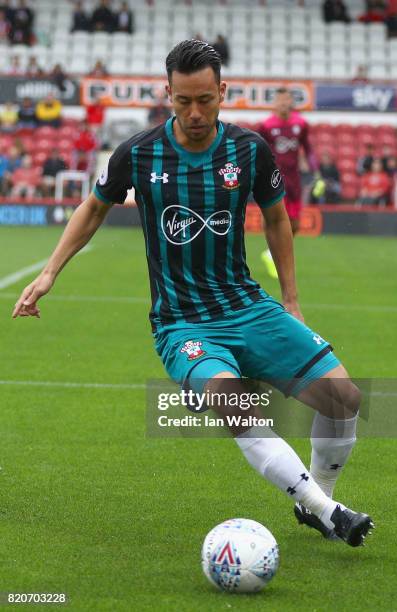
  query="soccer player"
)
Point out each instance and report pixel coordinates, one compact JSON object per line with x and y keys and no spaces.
{"x":286,"y":131}
{"x":211,"y":321}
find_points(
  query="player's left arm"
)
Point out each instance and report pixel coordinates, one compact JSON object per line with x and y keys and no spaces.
{"x":308,"y":149}
{"x":268,"y":190}
{"x":280,"y":241}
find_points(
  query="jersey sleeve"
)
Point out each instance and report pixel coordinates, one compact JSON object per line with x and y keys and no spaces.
{"x":116,"y":178}
{"x":268,"y":188}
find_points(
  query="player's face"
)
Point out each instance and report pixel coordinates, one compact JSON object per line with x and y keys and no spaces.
{"x":196,"y":99}
{"x":283,"y":104}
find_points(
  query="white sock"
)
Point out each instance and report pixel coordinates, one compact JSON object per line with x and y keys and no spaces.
{"x":332,"y":442}
{"x":274,"y":459}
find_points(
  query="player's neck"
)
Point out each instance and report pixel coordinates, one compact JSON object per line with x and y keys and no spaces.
{"x":283,"y":116}
{"x":191,"y":145}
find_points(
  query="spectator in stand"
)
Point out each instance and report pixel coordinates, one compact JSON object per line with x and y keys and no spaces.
{"x":375,"y":12}
{"x":49,"y":111}
{"x":388,"y":160}
{"x":335,"y":10}
{"x":159,"y":112}
{"x":87,"y":143}
{"x":5,"y":6}
{"x":95,"y":116}
{"x":5,"y":28}
{"x":364,"y":163}
{"x":14,"y":162}
{"x":8,"y":118}
{"x":81,"y":21}
{"x":124,"y":19}
{"x":375,"y":186}
{"x":99,"y":70}
{"x":3,"y":168}
{"x":391,"y":18}
{"x":21,"y":30}
{"x":25,"y":179}
{"x":361,"y":75}
{"x":58,"y":77}
{"x":33,"y":69}
{"x":222,"y":47}
{"x":27,"y":114}
{"x":53,"y":164}
{"x":15,"y":67}
{"x":330,"y":179}
{"x":103,"y":19}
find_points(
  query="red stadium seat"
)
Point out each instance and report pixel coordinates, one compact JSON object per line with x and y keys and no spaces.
{"x":345,"y":128}
{"x":326,"y":148}
{"x":47,"y":132}
{"x":6,"y":140}
{"x":39,"y":157}
{"x":65,"y":145}
{"x":43,"y":144}
{"x":68,"y":131}
{"x":346,"y":164}
{"x":345,"y":138}
{"x":347,"y":151}
{"x":324,"y":127}
{"x":28,"y":144}
{"x":324,"y":138}
{"x":386,"y":129}
{"x":22,"y":132}
{"x":349,"y":192}
{"x":387,"y":139}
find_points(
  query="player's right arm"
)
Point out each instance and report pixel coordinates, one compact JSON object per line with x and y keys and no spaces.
{"x":81,"y":227}
{"x":111,"y":187}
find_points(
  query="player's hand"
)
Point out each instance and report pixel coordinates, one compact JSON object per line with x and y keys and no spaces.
{"x":26,"y":306}
{"x":294,"y":309}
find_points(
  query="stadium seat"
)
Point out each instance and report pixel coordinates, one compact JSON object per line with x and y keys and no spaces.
{"x":347,"y":151}
{"x":46,"y":132}
{"x":346,"y":164}
{"x":44,"y":144}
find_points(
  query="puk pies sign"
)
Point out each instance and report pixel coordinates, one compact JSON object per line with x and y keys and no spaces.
{"x":249,"y":94}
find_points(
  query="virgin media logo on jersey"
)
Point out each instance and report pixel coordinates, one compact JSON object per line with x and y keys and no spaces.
{"x":284,"y":144}
{"x":181,"y":225}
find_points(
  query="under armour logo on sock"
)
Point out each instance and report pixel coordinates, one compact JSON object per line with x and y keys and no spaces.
{"x":292,"y":490}
{"x":335,"y":466}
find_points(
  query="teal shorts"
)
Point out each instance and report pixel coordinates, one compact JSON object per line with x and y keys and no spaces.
{"x":262,"y":342}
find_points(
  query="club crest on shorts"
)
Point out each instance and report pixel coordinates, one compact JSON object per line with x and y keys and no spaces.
{"x":193,"y":349}
{"x":230,"y":176}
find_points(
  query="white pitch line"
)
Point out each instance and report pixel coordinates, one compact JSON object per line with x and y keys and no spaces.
{"x":13,"y":278}
{"x":70,"y":385}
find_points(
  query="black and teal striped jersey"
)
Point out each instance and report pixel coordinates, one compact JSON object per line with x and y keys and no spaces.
{"x":192,"y":207}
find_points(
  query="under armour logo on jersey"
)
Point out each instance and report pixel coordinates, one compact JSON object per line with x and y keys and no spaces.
{"x":318,"y":339}
{"x":158,"y":177}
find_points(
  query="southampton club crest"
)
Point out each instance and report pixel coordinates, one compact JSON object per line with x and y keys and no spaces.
{"x":193,"y":349}
{"x":230,"y":176}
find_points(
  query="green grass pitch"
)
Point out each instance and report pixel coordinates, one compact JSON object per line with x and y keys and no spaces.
{"x":91,"y":507}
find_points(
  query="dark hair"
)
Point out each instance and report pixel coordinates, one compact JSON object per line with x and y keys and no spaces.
{"x":192,"y":55}
{"x":282,"y":90}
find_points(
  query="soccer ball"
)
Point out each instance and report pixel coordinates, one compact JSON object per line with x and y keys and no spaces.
{"x":240,"y":556}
